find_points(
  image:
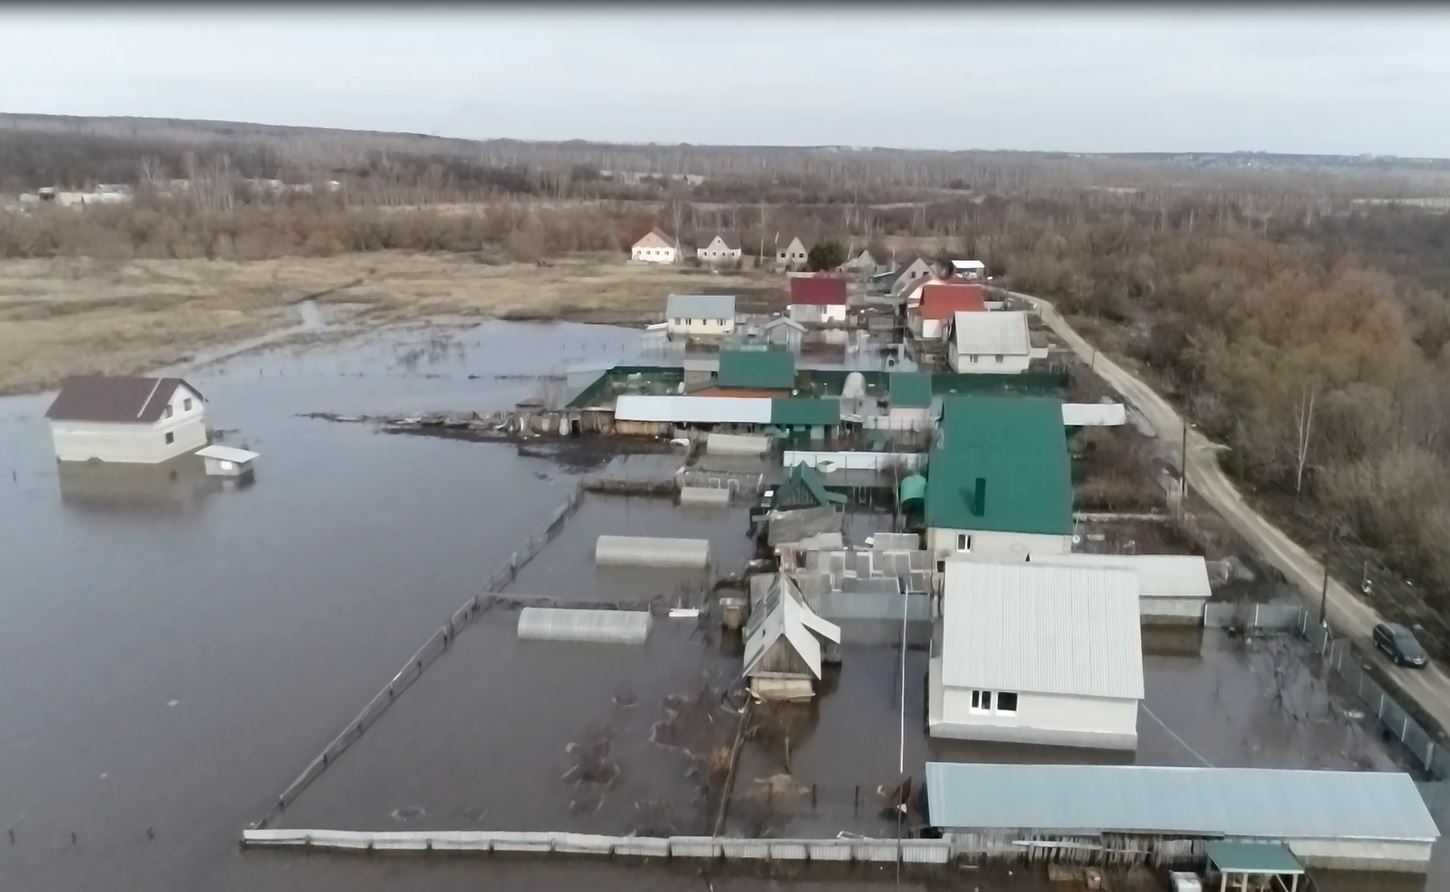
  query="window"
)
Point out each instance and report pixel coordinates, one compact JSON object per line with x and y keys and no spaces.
{"x":964,"y":542}
{"x":981,"y":702}
{"x":186,"y":405}
{"x":167,"y":412}
{"x":170,"y":438}
{"x":999,"y":357}
{"x":1006,"y":703}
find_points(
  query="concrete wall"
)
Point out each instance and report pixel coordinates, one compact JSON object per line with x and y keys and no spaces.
{"x":987,"y":364}
{"x":1357,"y":854}
{"x":1045,"y":719}
{"x":997,"y":545}
{"x":138,"y":443}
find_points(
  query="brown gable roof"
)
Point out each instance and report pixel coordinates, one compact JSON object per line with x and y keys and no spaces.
{"x":117,"y":399}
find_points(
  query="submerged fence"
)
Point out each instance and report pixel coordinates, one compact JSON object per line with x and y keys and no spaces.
{"x":432,"y":649}
{"x":889,"y":851}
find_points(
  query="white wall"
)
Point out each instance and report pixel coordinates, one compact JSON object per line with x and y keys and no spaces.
{"x":864,"y":461}
{"x":987,"y":363}
{"x":1048,"y":719}
{"x":820,"y":313}
{"x":700,"y":326}
{"x":717,"y":252}
{"x":652,"y":254}
{"x":992,"y":543}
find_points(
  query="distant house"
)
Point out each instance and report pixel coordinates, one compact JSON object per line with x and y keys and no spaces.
{"x":989,"y":343}
{"x":999,"y":483}
{"x":784,"y":638}
{"x":699,"y":315}
{"x":939,"y":303}
{"x":866,"y":264}
{"x":819,"y":299}
{"x":794,"y":255}
{"x":720,"y":247}
{"x":1038,"y":655}
{"x":914,"y":292}
{"x":967,"y":270}
{"x":904,"y":276}
{"x":126,"y":419}
{"x":655,"y":247}
{"x":782,"y":331}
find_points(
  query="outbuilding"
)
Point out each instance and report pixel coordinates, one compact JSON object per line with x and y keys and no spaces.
{"x":783,"y":644}
{"x":1037,"y":654}
{"x":655,"y":246}
{"x":1342,"y":820}
{"x":126,"y":419}
{"x":1172,"y":588}
{"x":227,"y":461}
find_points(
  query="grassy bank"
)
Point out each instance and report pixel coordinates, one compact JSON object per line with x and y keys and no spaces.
{"x":66,"y":316}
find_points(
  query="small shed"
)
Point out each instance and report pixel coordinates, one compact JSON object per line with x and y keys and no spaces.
{"x":783,"y":644}
{"x":227,"y":461}
{"x":1254,"y":866}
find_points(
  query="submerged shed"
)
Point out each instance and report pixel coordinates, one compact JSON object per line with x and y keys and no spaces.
{"x":783,"y":652}
{"x":603,"y":626}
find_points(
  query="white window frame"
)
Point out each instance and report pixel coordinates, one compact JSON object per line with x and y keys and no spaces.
{"x":998,"y":709}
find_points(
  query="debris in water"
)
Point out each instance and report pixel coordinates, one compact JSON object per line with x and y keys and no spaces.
{"x":625,"y":697}
{"x":172,"y":702}
{"x":407,"y":813}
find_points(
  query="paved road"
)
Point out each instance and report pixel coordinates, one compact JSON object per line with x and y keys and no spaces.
{"x":1347,"y":614}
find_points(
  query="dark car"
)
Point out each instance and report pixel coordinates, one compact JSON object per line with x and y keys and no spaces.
{"x":1399,"y":644}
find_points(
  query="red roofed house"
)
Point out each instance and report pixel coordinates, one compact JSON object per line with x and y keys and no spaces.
{"x":939,"y":301}
{"x":126,"y":419}
{"x":818,"y":299}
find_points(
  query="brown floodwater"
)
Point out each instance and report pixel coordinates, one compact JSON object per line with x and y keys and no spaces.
{"x":175,"y":650}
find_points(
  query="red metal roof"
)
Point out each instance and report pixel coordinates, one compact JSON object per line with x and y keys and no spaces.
{"x":819,"y":291}
{"x":940,"y":301}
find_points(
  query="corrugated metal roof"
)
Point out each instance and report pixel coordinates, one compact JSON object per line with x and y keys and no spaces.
{"x":989,"y":334}
{"x":227,"y":453}
{"x":693,"y":409}
{"x":1017,"y":446}
{"x":783,"y":613}
{"x":700,"y":306}
{"x":568,"y":624}
{"x":805,"y":411}
{"x":909,"y":389}
{"x":1041,"y":629}
{"x":757,"y":368}
{"x":968,"y":264}
{"x":940,"y":300}
{"x":1252,"y":802}
{"x":1253,"y":857}
{"x":1159,"y":575}
{"x":1094,"y":414}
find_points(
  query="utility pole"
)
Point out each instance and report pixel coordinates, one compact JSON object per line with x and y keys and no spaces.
{"x":1324,"y":588}
{"x":1182,"y":460}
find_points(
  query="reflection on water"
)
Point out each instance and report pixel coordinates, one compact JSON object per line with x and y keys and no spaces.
{"x":178,"y":486}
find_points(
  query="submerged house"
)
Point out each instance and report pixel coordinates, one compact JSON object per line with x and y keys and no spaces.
{"x":783,"y":331}
{"x":818,"y":299}
{"x":787,"y":644}
{"x":700,"y":315}
{"x":126,"y":419}
{"x":999,"y":479}
{"x":1037,"y":654}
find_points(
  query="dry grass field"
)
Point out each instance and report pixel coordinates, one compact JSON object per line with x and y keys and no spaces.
{"x":79,"y":315}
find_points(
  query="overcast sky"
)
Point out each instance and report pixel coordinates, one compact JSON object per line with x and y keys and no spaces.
{"x":1134,"y":78}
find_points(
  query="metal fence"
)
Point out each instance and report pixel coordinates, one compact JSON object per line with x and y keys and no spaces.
{"x":1268,"y":617}
{"x":889,"y":851}
{"x":1346,"y":660}
{"x":432,"y":649}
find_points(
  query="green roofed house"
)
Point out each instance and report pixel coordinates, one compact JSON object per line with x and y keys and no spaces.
{"x":999,"y":482}
{"x":757,"y":369}
{"x":909,"y":398}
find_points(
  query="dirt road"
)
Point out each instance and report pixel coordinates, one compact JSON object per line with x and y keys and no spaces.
{"x":1347,"y":614}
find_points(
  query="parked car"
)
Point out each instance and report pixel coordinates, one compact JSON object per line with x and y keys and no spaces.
{"x":1399,"y":644}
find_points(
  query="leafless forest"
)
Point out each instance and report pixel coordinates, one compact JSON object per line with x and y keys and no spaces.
{"x":1302,"y":319}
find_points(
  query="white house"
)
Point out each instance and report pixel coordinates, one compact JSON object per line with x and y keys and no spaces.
{"x":783,"y":331}
{"x":989,"y":343}
{"x":817,"y":299}
{"x":126,"y":419}
{"x":1172,"y":588}
{"x":700,"y":315}
{"x":1039,"y":655}
{"x":655,"y":247}
{"x":968,"y":270}
{"x":865,"y":264}
{"x":915,"y":290}
{"x":721,"y":247}
{"x":794,"y":255}
{"x":903,"y":277}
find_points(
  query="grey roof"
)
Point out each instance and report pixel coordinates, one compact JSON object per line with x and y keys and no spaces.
{"x":1159,"y":575}
{"x":1042,"y":629}
{"x":729,"y":237}
{"x":700,"y":306}
{"x":1003,"y":332}
{"x":784,"y":614}
{"x":1270,"y":803}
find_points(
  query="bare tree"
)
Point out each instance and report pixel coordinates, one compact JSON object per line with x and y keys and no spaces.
{"x":1304,"y":432}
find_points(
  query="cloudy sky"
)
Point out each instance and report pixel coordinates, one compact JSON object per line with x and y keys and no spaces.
{"x":1133,"y":78}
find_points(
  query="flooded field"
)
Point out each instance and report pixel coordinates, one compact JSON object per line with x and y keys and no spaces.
{"x":177,"y":650}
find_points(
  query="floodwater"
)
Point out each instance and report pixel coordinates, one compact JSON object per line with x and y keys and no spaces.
{"x":175,"y":650}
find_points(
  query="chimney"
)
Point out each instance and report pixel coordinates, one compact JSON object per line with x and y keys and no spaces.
{"x":979,"y":497}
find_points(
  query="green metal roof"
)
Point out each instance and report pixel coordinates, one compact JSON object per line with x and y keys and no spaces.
{"x":911,"y":389}
{"x":805,"y":411}
{"x":804,"y":487}
{"x":1017,"y":448}
{"x":1253,"y":857}
{"x":767,"y":369}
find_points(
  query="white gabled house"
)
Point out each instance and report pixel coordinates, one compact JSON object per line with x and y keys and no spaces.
{"x":1038,"y":655}
{"x":904,"y":276}
{"x":126,"y":419}
{"x":655,"y":247}
{"x":989,"y":343}
{"x":719,"y":247}
{"x":794,"y":254}
{"x":700,"y":315}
